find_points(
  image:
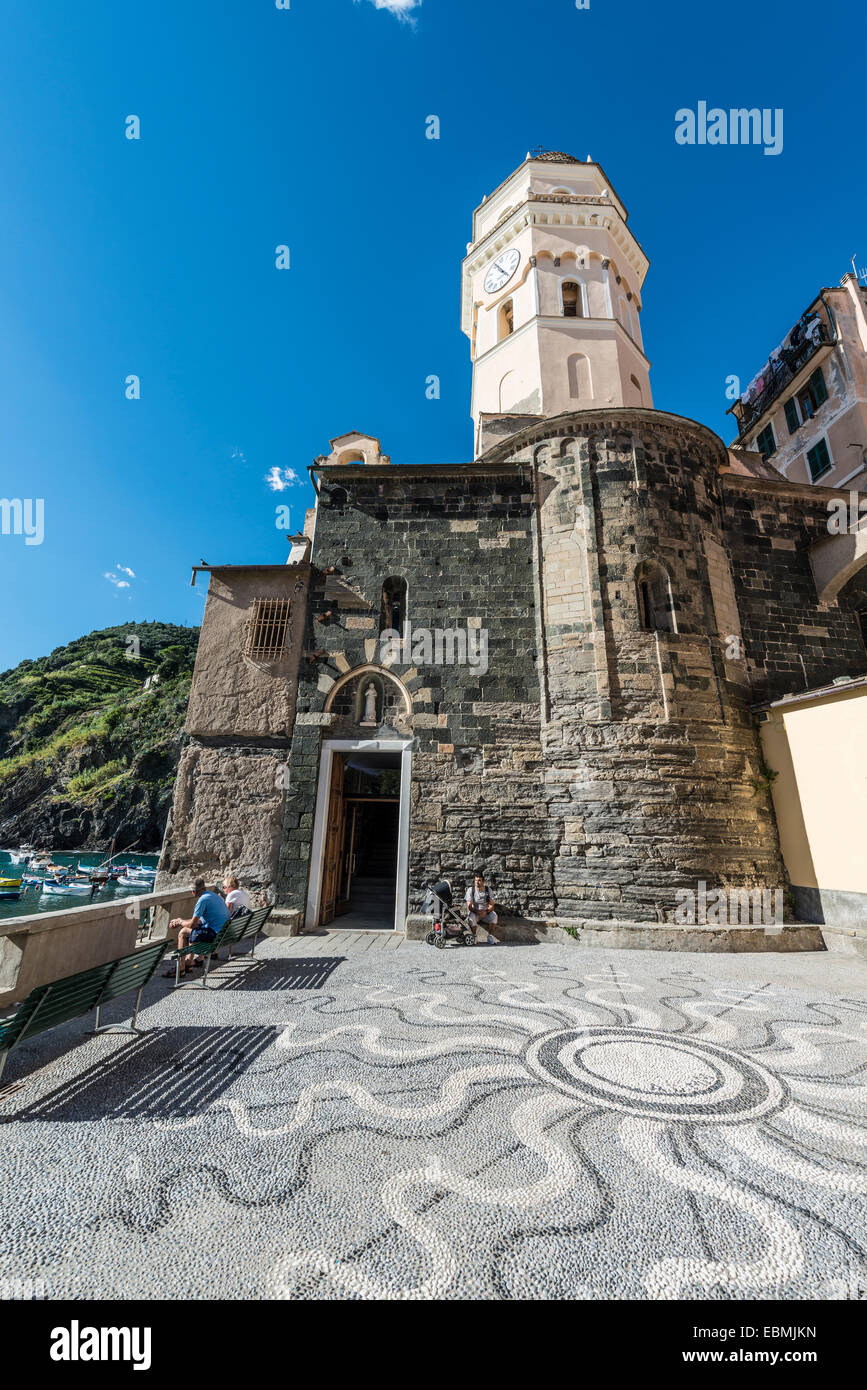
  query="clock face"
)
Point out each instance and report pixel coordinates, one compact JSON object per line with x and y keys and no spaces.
{"x":502,"y":270}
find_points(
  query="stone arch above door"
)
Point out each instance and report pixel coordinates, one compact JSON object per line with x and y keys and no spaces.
{"x":369,"y":698}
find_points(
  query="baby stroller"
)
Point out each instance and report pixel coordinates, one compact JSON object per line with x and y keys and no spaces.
{"x":448,"y":927}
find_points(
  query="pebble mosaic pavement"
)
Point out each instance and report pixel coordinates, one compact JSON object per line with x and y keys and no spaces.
{"x":355,"y":1116}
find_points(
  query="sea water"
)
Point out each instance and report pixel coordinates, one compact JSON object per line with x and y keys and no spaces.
{"x":33,"y":900}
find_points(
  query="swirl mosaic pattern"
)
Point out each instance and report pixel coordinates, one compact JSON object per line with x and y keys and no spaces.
{"x":644,"y":1071}
{"x":507,"y":1123}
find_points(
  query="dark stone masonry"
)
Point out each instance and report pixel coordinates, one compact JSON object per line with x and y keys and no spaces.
{"x":602,"y":752}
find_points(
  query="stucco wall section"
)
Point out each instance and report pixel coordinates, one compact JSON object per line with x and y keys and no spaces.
{"x":231,"y":694}
{"x":819,"y":750}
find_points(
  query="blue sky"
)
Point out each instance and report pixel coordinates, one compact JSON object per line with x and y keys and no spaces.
{"x":306,"y":127}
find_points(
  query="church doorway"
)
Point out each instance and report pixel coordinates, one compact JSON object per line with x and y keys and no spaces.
{"x":361,"y":833}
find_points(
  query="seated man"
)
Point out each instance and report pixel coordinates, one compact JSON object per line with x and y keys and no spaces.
{"x":480,"y":904}
{"x":210,"y":914}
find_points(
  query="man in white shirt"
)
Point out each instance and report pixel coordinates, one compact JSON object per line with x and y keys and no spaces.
{"x":236,"y":896}
{"x":480,"y":904}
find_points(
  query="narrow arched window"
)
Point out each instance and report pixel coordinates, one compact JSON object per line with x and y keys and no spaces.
{"x":580,"y":383}
{"x":392,"y":609}
{"x":655,"y":602}
{"x":636,"y":386}
{"x":507,"y":319}
{"x":573,"y":306}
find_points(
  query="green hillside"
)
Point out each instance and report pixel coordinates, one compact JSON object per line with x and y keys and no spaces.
{"x":88,"y":753}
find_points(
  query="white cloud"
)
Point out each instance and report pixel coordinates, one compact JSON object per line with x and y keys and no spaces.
{"x":239,"y":455}
{"x":401,"y":8}
{"x":114,"y":576}
{"x":278,"y":479}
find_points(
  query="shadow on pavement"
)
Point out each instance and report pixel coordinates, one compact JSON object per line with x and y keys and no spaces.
{"x":301,"y":972}
{"x":167,"y":1074}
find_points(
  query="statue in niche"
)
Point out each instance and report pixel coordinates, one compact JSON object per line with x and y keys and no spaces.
{"x":369,"y":716}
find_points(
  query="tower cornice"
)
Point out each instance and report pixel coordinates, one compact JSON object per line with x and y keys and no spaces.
{"x":537,"y":210}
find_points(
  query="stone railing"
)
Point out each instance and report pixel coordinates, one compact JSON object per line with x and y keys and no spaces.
{"x":47,"y":946}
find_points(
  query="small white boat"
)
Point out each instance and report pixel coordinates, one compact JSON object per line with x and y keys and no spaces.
{"x":57,"y":888}
{"x":130,"y":881}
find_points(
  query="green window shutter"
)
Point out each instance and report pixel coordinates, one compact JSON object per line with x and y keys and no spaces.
{"x":818,"y":387}
{"x":792,"y":416}
{"x":766,"y":442}
{"x":819,"y":460}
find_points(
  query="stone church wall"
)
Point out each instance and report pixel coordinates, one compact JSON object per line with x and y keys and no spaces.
{"x":227,"y":811}
{"x":600,"y":763}
{"x":792,"y":642}
{"x":650,"y":751}
{"x":462,"y":540}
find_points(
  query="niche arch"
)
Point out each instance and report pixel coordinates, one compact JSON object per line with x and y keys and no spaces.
{"x":347,"y":698}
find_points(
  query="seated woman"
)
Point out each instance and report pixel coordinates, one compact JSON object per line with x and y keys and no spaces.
{"x":210,"y":915}
{"x":237,"y":898}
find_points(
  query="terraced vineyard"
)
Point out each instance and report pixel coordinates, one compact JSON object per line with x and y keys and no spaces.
{"x":90,"y":738}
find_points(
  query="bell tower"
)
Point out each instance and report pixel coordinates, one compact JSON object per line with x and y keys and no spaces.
{"x":551,"y":296}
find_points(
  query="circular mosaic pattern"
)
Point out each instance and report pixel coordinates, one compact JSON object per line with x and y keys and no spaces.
{"x":657,"y":1075}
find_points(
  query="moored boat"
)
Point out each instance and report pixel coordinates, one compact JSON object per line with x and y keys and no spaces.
{"x":65,"y":889}
{"x":99,"y":876}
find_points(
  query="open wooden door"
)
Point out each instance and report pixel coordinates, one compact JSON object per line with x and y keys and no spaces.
{"x":335,"y":832}
{"x":345,"y":888}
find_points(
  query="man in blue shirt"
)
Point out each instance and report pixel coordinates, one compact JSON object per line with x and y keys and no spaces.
{"x":209,"y":915}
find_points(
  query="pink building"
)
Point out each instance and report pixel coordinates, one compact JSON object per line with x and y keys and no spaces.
{"x":805,"y":412}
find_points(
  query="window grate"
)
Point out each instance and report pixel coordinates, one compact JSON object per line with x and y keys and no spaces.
{"x":269,"y":624}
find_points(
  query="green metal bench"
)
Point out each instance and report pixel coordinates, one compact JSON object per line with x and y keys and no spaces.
{"x":230,"y":934}
{"x":250,"y":925}
{"x":48,"y":1006}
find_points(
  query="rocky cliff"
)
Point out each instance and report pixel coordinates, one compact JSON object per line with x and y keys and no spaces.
{"x":90,"y":738}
